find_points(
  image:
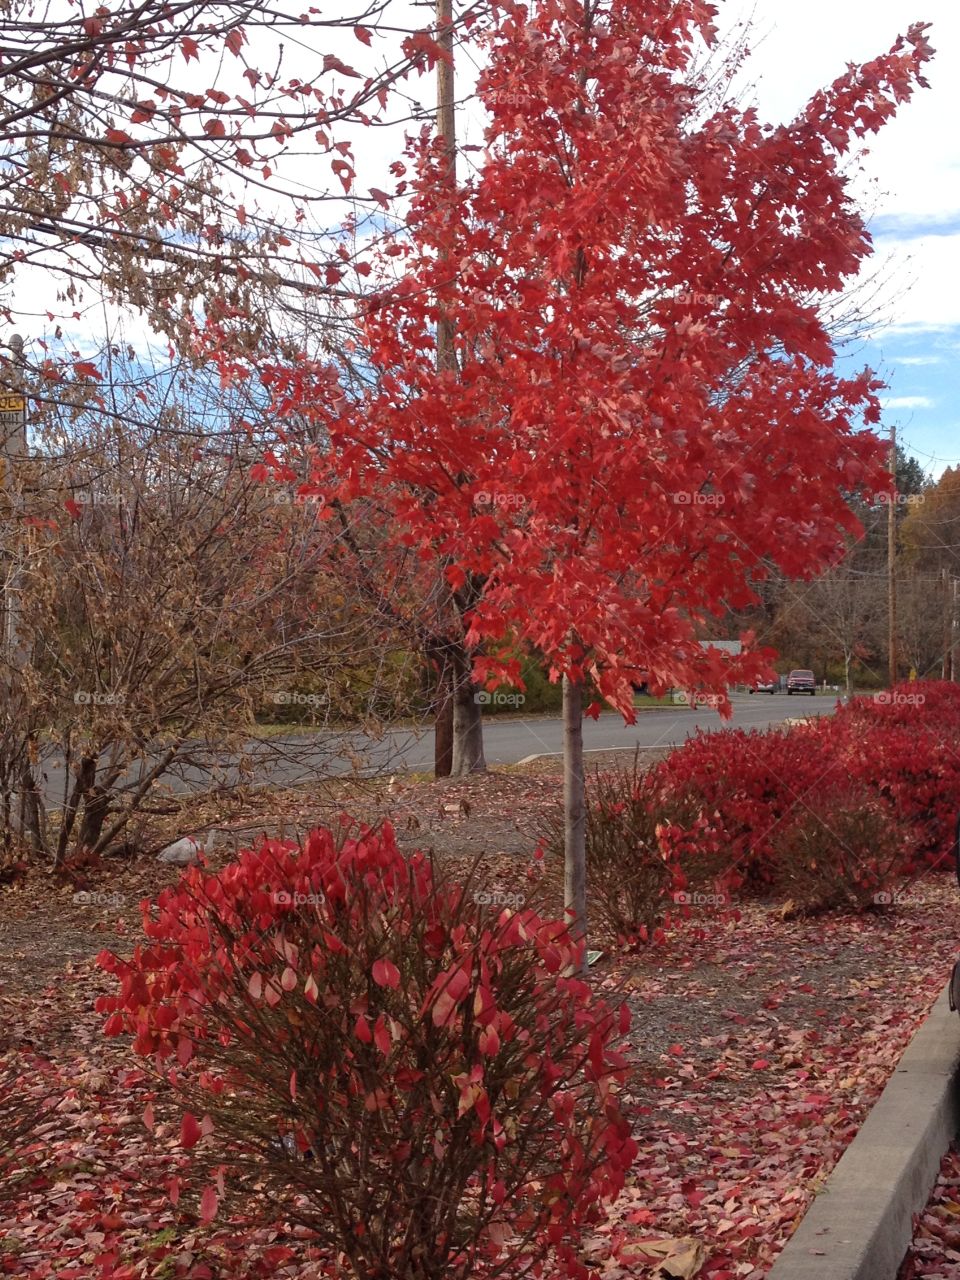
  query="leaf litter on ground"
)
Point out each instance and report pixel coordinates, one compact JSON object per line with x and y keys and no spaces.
{"x":759,"y":1046}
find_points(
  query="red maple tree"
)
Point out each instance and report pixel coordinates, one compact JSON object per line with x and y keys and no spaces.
{"x":645,"y":412}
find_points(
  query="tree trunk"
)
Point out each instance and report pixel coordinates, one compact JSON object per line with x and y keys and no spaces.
{"x":948,"y":624}
{"x":574,"y":815}
{"x":85,"y":778}
{"x":846,"y":674}
{"x":467,"y":719}
{"x":96,"y":806}
{"x":443,"y":722}
{"x":30,"y":810}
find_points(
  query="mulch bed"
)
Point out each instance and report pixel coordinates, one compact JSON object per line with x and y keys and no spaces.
{"x":760,"y":1045}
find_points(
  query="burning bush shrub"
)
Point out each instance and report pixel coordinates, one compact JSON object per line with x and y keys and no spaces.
{"x":840,"y":851}
{"x":904,"y":744}
{"x":749,"y":782}
{"x":419,"y":1082}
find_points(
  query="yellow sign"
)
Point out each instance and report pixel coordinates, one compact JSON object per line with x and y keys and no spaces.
{"x":913,"y":673}
{"x":10,"y":402}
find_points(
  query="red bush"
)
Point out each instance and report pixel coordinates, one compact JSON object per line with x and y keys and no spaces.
{"x":904,"y":744}
{"x":901,"y":747}
{"x":839,"y":851}
{"x":455,"y":1091}
{"x":747,"y":783}
{"x":644,"y":848}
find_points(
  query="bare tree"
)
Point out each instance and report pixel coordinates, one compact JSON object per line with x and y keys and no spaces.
{"x":169,"y":597}
{"x":184,"y":156}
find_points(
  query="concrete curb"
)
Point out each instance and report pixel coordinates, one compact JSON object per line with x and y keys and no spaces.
{"x":860,"y":1226}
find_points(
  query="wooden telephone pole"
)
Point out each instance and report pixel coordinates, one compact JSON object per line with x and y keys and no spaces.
{"x":13,"y":648}
{"x":892,"y":562}
{"x":13,"y":447}
{"x":446,"y":350}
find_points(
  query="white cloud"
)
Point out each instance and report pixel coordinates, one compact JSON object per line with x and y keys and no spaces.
{"x":910,"y":179}
{"x":917,"y":359}
{"x":907,"y":402}
{"x":913,"y":167}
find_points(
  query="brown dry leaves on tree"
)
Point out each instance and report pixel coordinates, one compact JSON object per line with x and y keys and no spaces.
{"x":167,"y":599}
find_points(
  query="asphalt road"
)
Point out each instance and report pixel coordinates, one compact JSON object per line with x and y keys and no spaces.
{"x":510,"y":741}
{"x":296,"y":759}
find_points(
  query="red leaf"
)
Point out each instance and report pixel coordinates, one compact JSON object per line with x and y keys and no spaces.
{"x":362,"y":34}
{"x":381,"y":1036}
{"x":145,"y":110}
{"x":214,"y":128}
{"x":331,"y":63}
{"x":235,"y":41}
{"x":489,"y":1041}
{"x":209,"y":1203}
{"x":385,"y":973}
{"x":344,"y":172}
{"x":361,"y":1029}
{"x":190,"y":1131}
{"x":189,"y":48}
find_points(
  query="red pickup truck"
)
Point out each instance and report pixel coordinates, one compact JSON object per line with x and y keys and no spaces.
{"x":801,"y":682}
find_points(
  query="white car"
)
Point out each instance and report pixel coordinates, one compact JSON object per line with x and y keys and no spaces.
{"x":764,"y":686}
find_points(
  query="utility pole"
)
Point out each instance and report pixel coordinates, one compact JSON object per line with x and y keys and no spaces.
{"x":13,"y":447}
{"x":446,"y":354}
{"x":13,"y":649}
{"x":892,"y":560}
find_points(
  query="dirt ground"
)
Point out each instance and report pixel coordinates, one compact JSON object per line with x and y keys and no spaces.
{"x":758,"y":1044}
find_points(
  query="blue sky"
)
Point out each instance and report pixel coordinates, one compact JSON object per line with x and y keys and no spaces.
{"x":909,"y":183}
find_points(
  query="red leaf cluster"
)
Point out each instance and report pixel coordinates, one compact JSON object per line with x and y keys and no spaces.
{"x":644,"y":414}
